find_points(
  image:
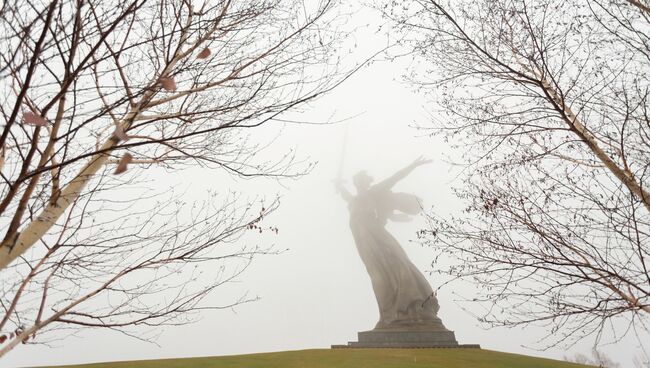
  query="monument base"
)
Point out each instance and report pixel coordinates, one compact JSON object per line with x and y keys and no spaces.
{"x":406,"y":339}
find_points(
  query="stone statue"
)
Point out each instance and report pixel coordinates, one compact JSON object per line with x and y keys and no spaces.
{"x":405,"y":298}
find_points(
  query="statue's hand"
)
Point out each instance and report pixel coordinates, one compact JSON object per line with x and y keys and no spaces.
{"x":420,"y":161}
{"x":400,"y":217}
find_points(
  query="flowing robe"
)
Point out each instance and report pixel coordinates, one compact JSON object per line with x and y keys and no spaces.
{"x":404,"y":297}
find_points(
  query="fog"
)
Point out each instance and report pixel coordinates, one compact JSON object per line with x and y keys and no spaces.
{"x":315,"y":292}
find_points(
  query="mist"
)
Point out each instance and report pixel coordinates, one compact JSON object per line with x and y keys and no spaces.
{"x":312,"y":290}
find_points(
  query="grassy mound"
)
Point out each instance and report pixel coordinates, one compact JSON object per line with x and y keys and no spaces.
{"x":352,"y":358}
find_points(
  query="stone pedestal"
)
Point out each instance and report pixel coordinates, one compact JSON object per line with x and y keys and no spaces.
{"x":406,"y":339}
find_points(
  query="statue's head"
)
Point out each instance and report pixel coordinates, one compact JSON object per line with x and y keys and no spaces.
{"x":362,"y":181}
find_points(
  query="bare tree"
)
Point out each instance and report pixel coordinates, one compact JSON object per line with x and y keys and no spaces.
{"x":640,"y":361}
{"x":93,"y":93}
{"x":129,"y":269}
{"x":597,"y":359}
{"x":549,"y":103}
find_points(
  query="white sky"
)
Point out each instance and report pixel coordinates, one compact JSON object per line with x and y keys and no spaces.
{"x":317,"y":293}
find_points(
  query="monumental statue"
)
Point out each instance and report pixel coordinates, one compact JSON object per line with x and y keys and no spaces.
{"x":407,"y":305}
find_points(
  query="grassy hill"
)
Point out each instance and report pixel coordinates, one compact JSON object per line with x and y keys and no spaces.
{"x":353,"y":358}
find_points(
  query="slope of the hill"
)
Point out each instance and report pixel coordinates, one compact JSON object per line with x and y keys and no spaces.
{"x":352,"y":358}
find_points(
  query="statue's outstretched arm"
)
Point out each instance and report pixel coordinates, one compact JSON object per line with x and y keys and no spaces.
{"x":392,"y":180}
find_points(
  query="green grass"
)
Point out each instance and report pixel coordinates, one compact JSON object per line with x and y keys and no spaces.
{"x":352,"y":358}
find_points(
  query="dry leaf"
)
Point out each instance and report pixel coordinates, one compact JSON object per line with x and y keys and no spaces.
{"x":119,"y":133}
{"x":123,"y":163}
{"x":2,"y":156}
{"x":204,"y":54}
{"x":3,"y":338}
{"x":168,"y":84}
{"x":32,"y":119}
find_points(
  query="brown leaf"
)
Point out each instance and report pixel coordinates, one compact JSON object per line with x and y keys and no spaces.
{"x":204,"y":54}
{"x":168,"y":84}
{"x":119,"y":133}
{"x":3,"y":338}
{"x":123,"y":163}
{"x":2,"y":156}
{"x":32,"y":119}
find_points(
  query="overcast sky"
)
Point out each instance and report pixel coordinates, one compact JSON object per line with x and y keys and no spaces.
{"x":316,"y":292}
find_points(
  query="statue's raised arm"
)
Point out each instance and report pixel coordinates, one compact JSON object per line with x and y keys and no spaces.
{"x":389,"y":182}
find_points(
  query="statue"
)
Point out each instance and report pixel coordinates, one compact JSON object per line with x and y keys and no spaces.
{"x":405,"y":298}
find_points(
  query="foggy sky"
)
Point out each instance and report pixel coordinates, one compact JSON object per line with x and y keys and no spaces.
{"x":316,"y":292}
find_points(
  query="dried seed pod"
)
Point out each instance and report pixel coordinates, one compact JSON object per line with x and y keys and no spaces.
{"x":2,"y":156}
{"x":32,"y":119}
{"x":169,"y":84}
{"x":204,"y":53}
{"x":123,"y":164}
{"x":119,"y":133}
